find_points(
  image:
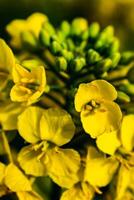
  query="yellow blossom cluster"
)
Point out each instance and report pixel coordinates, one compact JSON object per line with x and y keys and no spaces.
{"x":77,"y":132}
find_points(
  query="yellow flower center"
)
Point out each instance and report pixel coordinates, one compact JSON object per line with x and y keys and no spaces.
{"x":92,"y":106}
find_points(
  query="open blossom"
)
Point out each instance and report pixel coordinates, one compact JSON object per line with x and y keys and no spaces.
{"x":13,"y":180}
{"x":29,"y":85}
{"x":47,"y":130}
{"x":32,"y":24}
{"x":99,"y":112}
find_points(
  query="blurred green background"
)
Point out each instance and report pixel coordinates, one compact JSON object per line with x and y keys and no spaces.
{"x":119,"y":13}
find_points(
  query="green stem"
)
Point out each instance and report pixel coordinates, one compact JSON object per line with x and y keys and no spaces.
{"x":55,"y":100}
{"x":52,"y":68}
{"x":6,"y":146}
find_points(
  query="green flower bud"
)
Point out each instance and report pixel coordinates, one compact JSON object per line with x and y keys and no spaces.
{"x":93,"y":56}
{"x":44,"y":37}
{"x":79,"y":25}
{"x":29,"y":40}
{"x":78,"y":64}
{"x":106,"y":36}
{"x":114,"y":46}
{"x":127,"y":88}
{"x":65,"y":28}
{"x":104,"y":65}
{"x":67,"y":54}
{"x":61,"y":63}
{"x":123,"y":97}
{"x":71,"y":45}
{"x":85,"y":35}
{"x":56,"y":47}
{"x":127,"y":57}
{"x":94,"y":30}
{"x":115,"y":59}
{"x":107,"y":32}
{"x":130,"y":75}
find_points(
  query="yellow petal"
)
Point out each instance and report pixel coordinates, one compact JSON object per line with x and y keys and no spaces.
{"x":106,"y":90}
{"x":15,"y":28}
{"x":62,"y":166}
{"x":78,"y":192}
{"x":85,"y":93}
{"x":106,"y":119}
{"x":95,"y":90}
{"x":108,"y":142}
{"x":2,"y":172}
{"x":29,"y":163}
{"x":123,"y":182}
{"x":15,"y":179}
{"x":20,"y":72}
{"x":35,"y":22}
{"x":20,"y":93}
{"x":127,"y":132}
{"x":28,"y":124}
{"x":29,"y":196}
{"x":58,"y":125}
{"x":7,"y":60}
{"x":100,"y":170}
{"x":8,"y":115}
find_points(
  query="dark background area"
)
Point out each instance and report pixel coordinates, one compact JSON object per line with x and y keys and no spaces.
{"x":119,"y":13}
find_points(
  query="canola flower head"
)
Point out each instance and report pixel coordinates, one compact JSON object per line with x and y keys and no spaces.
{"x":76,"y":128}
{"x":29,"y":85}
{"x":99,"y":114}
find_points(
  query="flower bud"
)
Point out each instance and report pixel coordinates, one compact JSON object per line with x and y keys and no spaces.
{"x":94,"y":30}
{"x":115,"y":59}
{"x":78,"y":63}
{"x":123,"y":97}
{"x":78,"y":26}
{"x":127,"y":88}
{"x":65,"y":27}
{"x":67,"y":54}
{"x":127,"y":57}
{"x":29,"y":40}
{"x":61,"y":63}
{"x":56,"y":47}
{"x":44,"y":37}
{"x":93,"y":56}
{"x":104,"y":65}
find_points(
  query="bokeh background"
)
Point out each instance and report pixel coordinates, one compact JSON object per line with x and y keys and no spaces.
{"x":119,"y":13}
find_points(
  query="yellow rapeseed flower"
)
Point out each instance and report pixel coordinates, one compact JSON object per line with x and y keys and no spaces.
{"x":9,"y":112}
{"x":13,"y":180}
{"x":99,"y":169}
{"x":47,"y":130}
{"x":99,"y":114}
{"x":110,"y":142}
{"x":80,"y":191}
{"x":32,"y":24}
{"x":29,"y":85}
